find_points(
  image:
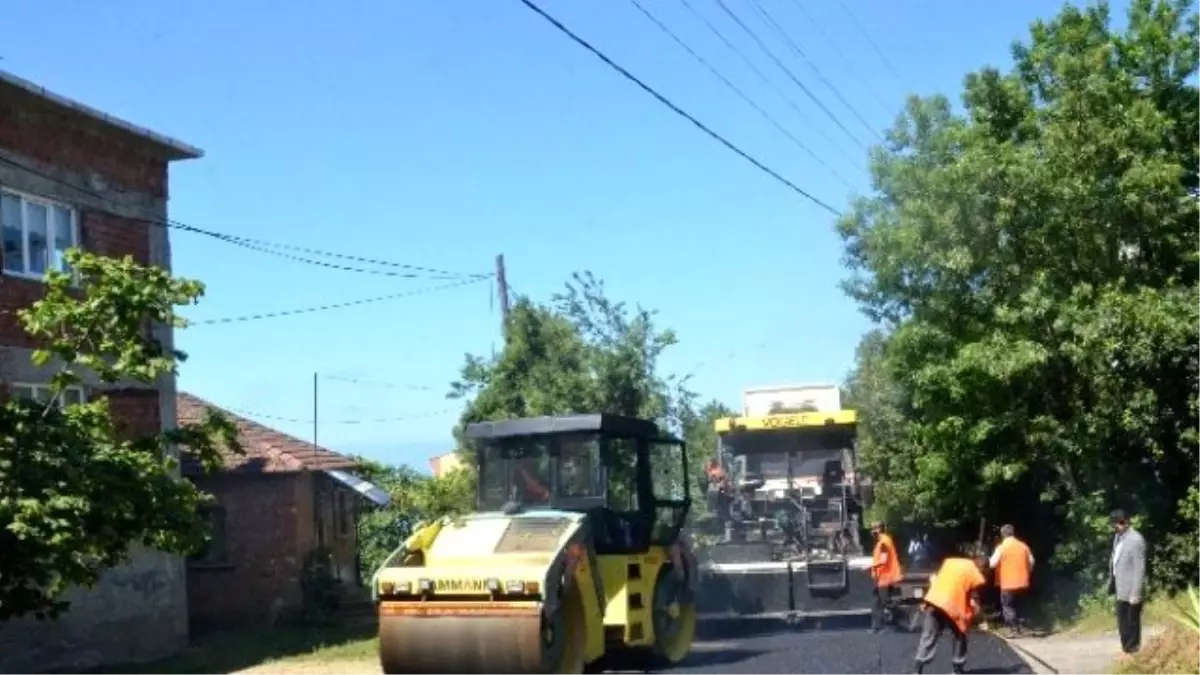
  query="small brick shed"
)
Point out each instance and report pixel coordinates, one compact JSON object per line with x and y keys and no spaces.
{"x":275,"y":504}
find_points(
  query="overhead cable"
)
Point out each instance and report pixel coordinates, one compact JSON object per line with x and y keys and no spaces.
{"x":338,"y":305}
{"x":796,"y":49}
{"x":259,"y":244}
{"x":376,"y":383}
{"x":867,"y":36}
{"x":377,"y":420}
{"x":736,"y":90}
{"x":788,"y":71}
{"x":841,"y":55}
{"x":766,"y":80}
{"x":676,"y":109}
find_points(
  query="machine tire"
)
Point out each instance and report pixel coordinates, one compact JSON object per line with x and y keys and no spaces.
{"x":566,"y":625}
{"x":673,"y":635}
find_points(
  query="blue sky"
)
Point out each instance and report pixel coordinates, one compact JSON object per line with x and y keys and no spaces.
{"x":442,"y":132}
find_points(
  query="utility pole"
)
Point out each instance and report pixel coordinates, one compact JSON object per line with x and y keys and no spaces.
{"x":502,"y":292}
{"x":315,"y":411}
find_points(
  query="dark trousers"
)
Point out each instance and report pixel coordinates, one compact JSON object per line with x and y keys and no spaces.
{"x":1010,"y":602}
{"x":1129,"y":625}
{"x":933,"y":624}
{"x":882,"y":604}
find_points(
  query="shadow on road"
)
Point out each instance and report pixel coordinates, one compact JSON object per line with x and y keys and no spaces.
{"x":1016,"y":668}
{"x":231,"y":651}
{"x":721,"y":657}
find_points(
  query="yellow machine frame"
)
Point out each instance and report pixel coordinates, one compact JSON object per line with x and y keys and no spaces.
{"x":498,"y":603}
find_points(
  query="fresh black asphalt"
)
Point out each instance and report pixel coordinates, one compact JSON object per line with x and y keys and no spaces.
{"x":838,"y":646}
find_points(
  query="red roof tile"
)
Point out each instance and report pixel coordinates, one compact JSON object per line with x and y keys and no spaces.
{"x":266,"y":450}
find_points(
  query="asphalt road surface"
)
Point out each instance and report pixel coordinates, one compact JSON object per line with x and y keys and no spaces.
{"x":842,"y":646}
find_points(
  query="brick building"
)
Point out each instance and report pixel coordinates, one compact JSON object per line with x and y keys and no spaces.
{"x":71,"y":176}
{"x":275,"y":504}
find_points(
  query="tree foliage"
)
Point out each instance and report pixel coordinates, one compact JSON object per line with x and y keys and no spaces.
{"x":1032,"y":266}
{"x":76,"y":490}
{"x":580,"y":353}
{"x":415,"y":497}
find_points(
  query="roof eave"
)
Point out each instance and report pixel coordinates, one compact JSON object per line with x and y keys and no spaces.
{"x":173,"y":149}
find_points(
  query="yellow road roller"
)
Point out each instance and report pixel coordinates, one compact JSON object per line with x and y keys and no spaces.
{"x":573,"y":556}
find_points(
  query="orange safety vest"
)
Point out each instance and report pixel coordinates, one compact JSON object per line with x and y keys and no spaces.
{"x":1013,"y":569}
{"x":951,"y":588}
{"x":885,"y":564}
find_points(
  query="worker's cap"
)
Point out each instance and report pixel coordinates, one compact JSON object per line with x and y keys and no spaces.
{"x":876,"y":525}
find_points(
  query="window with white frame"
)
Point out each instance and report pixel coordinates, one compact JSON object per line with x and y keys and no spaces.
{"x":37,"y":234}
{"x":41,"y":393}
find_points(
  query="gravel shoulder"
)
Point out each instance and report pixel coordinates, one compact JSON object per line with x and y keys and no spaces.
{"x":1075,"y":652}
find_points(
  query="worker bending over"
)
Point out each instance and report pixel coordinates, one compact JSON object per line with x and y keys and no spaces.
{"x":1013,"y":563}
{"x":951,"y":603}
{"x":885,"y":572}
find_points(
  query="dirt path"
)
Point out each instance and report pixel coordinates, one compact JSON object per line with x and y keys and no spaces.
{"x":1074,"y":652}
{"x":307,"y":666}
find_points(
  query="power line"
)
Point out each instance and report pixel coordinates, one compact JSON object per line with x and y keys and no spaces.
{"x":257,"y":244}
{"x":787,"y":71}
{"x":837,"y":50}
{"x":377,"y":420}
{"x":676,"y":109}
{"x":767,"y":116}
{"x":867,"y":36}
{"x":377,"y":383}
{"x":763,"y":76}
{"x":339,"y":305}
{"x":796,"y":49}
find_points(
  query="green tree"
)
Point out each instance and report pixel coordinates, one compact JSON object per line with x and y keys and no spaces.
{"x":415,"y":498}
{"x":76,"y":491}
{"x":1032,"y":263}
{"x":580,"y":353}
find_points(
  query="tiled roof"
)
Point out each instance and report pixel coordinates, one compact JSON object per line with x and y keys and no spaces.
{"x":266,"y":450}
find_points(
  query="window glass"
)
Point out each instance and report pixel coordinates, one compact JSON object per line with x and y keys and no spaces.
{"x":36,"y":234}
{"x":529,"y":473}
{"x":516,"y":470}
{"x":64,"y":237}
{"x":40,"y":393}
{"x":72,"y":396}
{"x":621,"y":461}
{"x":215,"y":550}
{"x":666,"y":471}
{"x":579,"y":467}
{"x":10,"y":215}
{"x":35,"y":228}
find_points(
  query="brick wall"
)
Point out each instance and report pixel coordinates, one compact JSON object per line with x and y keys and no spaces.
{"x":117,"y":183}
{"x":136,"y":412}
{"x":49,"y":134}
{"x":268,"y":524}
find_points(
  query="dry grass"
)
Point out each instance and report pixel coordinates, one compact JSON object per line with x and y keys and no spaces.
{"x":1102,"y":617}
{"x":1177,"y":650}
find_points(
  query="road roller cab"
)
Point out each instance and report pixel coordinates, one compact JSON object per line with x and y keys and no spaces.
{"x":573,"y":554}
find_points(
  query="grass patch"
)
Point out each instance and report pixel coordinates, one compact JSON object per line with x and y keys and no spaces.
{"x":1177,"y":650}
{"x":1101,"y":616}
{"x":226,"y":652}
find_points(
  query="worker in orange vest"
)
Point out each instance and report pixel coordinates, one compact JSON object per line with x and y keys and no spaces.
{"x":1013,"y":563}
{"x":952,"y":602}
{"x":719,"y":489}
{"x":885,"y":572}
